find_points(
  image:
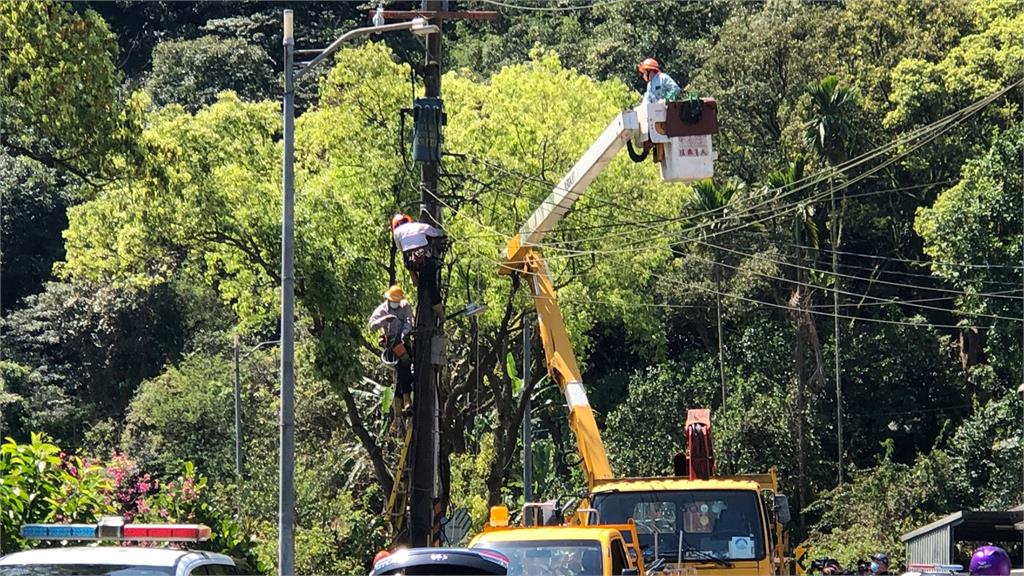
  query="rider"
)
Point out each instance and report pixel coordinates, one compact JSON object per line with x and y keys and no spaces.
{"x":990,"y":561}
{"x":879,"y":564}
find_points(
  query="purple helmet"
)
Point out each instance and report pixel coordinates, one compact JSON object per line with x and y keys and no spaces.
{"x":990,"y":561}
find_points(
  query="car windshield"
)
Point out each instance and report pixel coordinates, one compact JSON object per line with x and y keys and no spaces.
{"x":695,"y":525}
{"x":550,"y":557}
{"x":84,"y":570}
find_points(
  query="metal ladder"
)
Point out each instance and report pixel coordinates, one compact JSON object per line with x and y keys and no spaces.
{"x":399,"y":498}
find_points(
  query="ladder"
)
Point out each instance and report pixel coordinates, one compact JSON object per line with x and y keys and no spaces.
{"x":399,"y":498}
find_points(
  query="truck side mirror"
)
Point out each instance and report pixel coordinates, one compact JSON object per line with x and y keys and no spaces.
{"x":782,"y":509}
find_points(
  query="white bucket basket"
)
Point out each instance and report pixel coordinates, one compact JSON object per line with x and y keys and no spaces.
{"x":688,"y":159}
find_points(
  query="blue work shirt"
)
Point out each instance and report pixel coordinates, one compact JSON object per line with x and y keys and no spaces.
{"x":660,"y":87}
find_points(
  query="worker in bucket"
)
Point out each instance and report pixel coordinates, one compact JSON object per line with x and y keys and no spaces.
{"x":393,"y":321}
{"x":421,"y":245}
{"x":660,"y":86}
{"x":990,"y":561}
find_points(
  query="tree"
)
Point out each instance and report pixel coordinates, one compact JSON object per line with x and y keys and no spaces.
{"x":763,"y":59}
{"x":709,"y":206}
{"x":88,"y":347}
{"x":34,"y":199}
{"x":61,"y":92}
{"x":192,"y":72}
{"x":972,"y":234}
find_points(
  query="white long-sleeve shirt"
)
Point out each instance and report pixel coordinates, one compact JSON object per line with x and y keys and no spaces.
{"x":397,"y":323}
{"x":414,"y":235}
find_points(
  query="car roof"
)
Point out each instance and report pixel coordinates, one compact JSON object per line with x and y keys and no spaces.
{"x":546,"y":533}
{"x":135,"y":556}
{"x":680,"y":483}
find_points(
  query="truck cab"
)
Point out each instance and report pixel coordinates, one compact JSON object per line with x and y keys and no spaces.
{"x":717,"y":526}
{"x":564,"y":550}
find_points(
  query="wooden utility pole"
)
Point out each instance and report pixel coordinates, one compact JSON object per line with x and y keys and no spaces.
{"x":428,"y":499}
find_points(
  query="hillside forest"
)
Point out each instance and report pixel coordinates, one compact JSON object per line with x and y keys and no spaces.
{"x":854,"y":270}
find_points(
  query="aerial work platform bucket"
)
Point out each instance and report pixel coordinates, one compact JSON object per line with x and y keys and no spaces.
{"x":682,"y":132}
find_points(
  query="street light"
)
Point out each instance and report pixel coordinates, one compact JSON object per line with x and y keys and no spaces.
{"x":286,"y":502}
{"x":471,"y":309}
{"x":238,"y":356}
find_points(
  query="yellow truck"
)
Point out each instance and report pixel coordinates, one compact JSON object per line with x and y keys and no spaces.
{"x":693,"y":520}
{"x":604,"y":550}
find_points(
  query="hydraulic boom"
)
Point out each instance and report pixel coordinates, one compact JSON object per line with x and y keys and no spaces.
{"x":683,"y":148}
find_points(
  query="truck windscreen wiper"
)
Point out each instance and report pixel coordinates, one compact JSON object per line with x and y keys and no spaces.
{"x":689,"y":553}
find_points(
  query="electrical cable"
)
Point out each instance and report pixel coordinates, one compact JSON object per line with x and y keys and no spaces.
{"x":878,"y":299}
{"x":528,"y":8}
{"x":926,"y":133}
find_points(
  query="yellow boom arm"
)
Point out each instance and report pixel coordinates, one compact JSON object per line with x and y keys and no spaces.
{"x":562,"y":365}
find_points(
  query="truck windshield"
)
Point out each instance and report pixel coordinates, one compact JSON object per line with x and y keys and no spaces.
{"x":693,"y":524}
{"x":550,"y":557}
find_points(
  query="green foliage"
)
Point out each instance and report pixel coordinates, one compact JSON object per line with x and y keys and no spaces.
{"x":978,"y":221}
{"x":868,"y":514}
{"x":192,"y":72}
{"x":38,"y":483}
{"x":34,"y":200}
{"x":184,"y":415}
{"x":61,"y":95}
{"x":89,"y":346}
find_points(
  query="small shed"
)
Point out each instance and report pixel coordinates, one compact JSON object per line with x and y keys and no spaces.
{"x":935,"y":543}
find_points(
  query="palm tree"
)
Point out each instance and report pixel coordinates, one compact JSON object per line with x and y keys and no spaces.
{"x":829,"y":134}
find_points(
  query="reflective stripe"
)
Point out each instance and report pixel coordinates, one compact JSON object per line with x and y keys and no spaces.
{"x":575,"y":395}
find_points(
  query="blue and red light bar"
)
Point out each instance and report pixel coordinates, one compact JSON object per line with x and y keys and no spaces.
{"x":115,"y":529}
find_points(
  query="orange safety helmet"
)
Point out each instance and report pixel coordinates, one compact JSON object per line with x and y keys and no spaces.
{"x":649,"y":64}
{"x":400,"y":219}
{"x":381,"y":555}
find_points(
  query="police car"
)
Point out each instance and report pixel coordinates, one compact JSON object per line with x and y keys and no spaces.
{"x":442,"y":561}
{"x":114,"y":560}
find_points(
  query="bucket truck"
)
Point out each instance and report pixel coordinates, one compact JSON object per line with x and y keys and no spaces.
{"x":694,"y":519}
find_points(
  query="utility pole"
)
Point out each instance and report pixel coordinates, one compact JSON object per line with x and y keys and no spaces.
{"x":427,"y":498}
{"x":238,"y":414}
{"x":527,"y":431}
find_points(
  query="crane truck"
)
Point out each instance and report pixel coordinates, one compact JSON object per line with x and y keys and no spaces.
{"x":694,"y":520}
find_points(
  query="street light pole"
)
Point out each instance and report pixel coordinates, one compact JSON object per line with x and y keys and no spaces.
{"x":238,"y":415}
{"x":286,"y":480}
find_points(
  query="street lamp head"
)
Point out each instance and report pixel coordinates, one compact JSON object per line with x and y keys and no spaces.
{"x":472,"y":309}
{"x":421,"y":28}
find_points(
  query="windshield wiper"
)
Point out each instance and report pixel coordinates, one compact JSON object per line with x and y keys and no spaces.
{"x":701,"y":556}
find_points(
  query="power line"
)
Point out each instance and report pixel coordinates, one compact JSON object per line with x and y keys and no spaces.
{"x":926,"y":134}
{"x":528,"y":8}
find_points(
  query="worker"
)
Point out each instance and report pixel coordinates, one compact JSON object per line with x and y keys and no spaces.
{"x":380,"y":556}
{"x":990,"y":561}
{"x":879,"y":564}
{"x":421,"y":245}
{"x":660,"y":86}
{"x":394,"y":320}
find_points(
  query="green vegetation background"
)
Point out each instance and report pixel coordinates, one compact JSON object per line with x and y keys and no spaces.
{"x":140,"y":173}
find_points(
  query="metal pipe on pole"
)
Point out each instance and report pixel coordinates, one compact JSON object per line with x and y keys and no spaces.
{"x":527,"y":425}
{"x":286,"y":481}
{"x":238,"y":413}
